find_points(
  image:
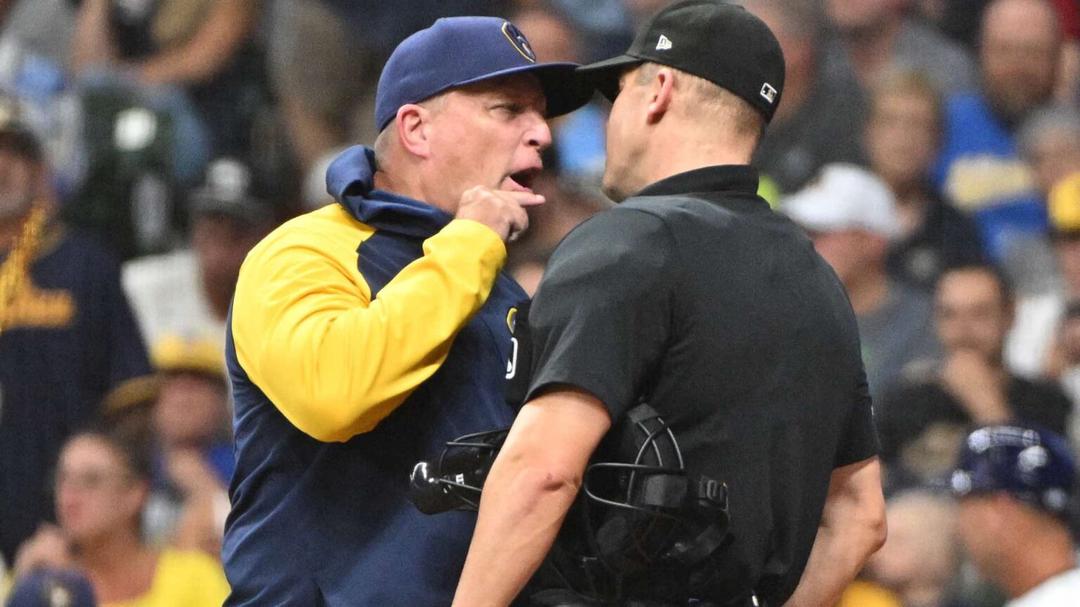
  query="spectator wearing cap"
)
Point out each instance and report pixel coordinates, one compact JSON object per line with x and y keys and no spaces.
{"x":193,"y":460}
{"x":102,"y":481}
{"x":1016,"y":485}
{"x":980,"y":168}
{"x":851,"y":217}
{"x":367,"y":333}
{"x":902,"y":136}
{"x":923,"y":420}
{"x":813,"y":123}
{"x":67,"y":335}
{"x":188,"y":292}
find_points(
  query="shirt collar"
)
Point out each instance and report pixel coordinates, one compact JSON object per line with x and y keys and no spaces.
{"x":724,"y":178}
{"x":351,"y":181}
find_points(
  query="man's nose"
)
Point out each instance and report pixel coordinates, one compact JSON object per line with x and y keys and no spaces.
{"x":539,"y":134}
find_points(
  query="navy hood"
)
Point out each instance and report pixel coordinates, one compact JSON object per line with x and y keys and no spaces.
{"x":351,"y":181}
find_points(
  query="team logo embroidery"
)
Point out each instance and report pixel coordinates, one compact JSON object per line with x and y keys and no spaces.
{"x":768,"y":92}
{"x":518,"y":40}
{"x":511,"y":363}
{"x":663,"y":43}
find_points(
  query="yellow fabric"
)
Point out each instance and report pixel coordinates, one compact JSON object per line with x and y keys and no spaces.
{"x":1064,"y":204}
{"x":331,"y":359}
{"x":183,"y":579}
{"x":176,"y":353}
{"x":866,"y":594}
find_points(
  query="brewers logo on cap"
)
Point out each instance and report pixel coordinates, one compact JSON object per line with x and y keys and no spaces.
{"x":514,"y":35}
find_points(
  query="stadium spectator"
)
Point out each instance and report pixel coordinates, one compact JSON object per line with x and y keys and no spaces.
{"x":813,"y":123}
{"x":851,"y":217}
{"x":193,"y":459}
{"x":187,"y":292}
{"x":1050,"y":142}
{"x":1015,"y":487}
{"x":102,"y":483}
{"x":902,"y":137}
{"x":959,"y":19}
{"x":874,"y":35}
{"x":920,"y":560}
{"x":923,"y":421}
{"x":309,"y":47}
{"x":200,"y":46}
{"x":980,"y":169}
{"x":1050,"y":139}
{"x":68,"y":336}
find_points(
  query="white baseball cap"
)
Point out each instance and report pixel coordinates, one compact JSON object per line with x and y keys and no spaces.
{"x":844,"y":197}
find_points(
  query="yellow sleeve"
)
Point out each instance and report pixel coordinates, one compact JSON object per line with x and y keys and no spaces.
{"x":331,"y":359}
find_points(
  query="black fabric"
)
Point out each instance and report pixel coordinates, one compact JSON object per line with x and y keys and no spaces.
{"x":696,"y":297}
{"x":946,"y":239}
{"x":912,"y":408}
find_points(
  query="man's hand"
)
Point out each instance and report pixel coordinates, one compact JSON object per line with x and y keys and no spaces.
{"x":188,"y":470}
{"x":46,"y":548}
{"x":500,"y":210}
{"x":977,"y":386}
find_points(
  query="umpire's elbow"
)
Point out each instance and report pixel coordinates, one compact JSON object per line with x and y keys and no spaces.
{"x":542,"y":480}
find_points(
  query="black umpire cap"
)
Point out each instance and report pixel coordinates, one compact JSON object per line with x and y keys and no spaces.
{"x":720,"y":42}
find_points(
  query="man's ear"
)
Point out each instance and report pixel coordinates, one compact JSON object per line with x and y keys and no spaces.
{"x":411,"y":122}
{"x":661,"y":90}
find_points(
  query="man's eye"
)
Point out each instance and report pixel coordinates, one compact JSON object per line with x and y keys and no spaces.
{"x":511,"y":108}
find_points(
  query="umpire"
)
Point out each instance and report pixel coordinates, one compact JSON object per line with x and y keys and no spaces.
{"x":694,"y":296}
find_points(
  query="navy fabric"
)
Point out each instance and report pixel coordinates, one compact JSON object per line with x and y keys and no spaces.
{"x":330,"y":523}
{"x":456,"y":51}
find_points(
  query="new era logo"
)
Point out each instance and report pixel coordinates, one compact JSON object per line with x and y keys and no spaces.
{"x":768,"y":92}
{"x":663,"y":43}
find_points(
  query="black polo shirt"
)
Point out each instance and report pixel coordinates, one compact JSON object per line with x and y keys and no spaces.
{"x":697,"y":297}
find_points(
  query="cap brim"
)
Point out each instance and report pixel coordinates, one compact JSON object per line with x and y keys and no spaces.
{"x":564,"y":89}
{"x":604,"y":75}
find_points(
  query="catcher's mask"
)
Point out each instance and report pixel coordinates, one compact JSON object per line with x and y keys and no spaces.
{"x":640,"y":526}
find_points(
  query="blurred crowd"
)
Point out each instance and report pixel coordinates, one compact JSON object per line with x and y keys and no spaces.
{"x":930,"y":148}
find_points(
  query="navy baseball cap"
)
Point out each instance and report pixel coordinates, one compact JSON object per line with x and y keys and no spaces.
{"x":457,"y":51}
{"x":1032,"y":464}
{"x":52,"y":588}
{"x":720,"y":42}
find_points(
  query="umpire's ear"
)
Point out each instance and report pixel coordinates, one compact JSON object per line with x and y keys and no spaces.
{"x":412,"y":123}
{"x":661,"y":89}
